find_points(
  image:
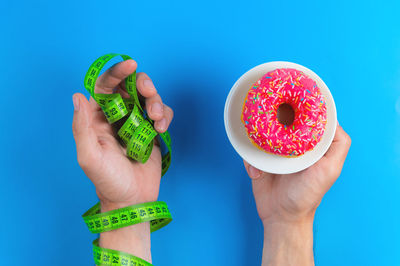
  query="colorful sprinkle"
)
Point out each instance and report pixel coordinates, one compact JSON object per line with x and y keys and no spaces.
{"x":260,"y":107}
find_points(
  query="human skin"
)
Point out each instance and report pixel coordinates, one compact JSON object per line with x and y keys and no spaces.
{"x":119,"y":181}
{"x":286,"y":204}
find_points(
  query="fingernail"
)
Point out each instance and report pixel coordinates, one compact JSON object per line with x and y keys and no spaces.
{"x":75,"y":100}
{"x":156,"y":108}
{"x":149,"y":84}
{"x":162,"y":124}
{"x":254,"y":173}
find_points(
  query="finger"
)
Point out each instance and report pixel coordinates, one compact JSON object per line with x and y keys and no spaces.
{"x":153,"y":102}
{"x":85,"y":138}
{"x":114,"y":75}
{"x":163,"y":124}
{"x":338,"y":150}
{"x":155,"y":107}
{"x":145,"y":86}
{"x":253,"y":172}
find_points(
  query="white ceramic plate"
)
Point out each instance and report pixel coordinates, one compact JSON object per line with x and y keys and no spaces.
{"x":237,"y":133}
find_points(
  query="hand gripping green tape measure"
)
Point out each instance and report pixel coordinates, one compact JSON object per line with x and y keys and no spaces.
{"x":137,"y":133}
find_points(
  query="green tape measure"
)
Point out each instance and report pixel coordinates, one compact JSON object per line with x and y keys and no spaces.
{"x":105,"y":256}
{"x":156,"y":213}
{"x":137,"y":133}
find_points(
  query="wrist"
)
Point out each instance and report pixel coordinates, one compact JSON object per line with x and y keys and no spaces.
{"x":275,"y":227}
{"x":133,"y":239}
{"x":288,"y":218}
{"x":107,"y":205}
{"x":120,"y":201}
{"x":288,"y":242}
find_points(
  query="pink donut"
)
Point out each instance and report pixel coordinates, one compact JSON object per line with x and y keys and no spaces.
{"x":260,"y":112}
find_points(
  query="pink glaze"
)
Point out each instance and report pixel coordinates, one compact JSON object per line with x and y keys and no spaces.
{"x":259,"y":115}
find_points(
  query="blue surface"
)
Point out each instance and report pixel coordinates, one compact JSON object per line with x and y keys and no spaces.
{"x":193,"y":50}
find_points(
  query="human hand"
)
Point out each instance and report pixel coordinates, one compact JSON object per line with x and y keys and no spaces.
{"x":295,"y":197}
{"x":119,"y":180}
{"x":286,"y":205}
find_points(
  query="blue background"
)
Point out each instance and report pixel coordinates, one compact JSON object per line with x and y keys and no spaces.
{"x":194,"y":49}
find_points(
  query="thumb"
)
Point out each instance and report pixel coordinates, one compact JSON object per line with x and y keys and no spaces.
{"x":253,"y":172}
{"x":85,"y":137}
{"x":336,"y":155}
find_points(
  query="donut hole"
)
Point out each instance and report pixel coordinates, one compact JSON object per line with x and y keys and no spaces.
{"x":285,"y":114}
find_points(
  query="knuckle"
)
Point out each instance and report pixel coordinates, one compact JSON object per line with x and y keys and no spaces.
{"x":84,"y":159}
{"x":153,"y":99}
{"x":138,"y":75}
{"x":345,"y":136}
{"x":141,"y":75}
{"x":169,"y":111}
{"x":348,"y":139}
{"x":74,"y":130}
